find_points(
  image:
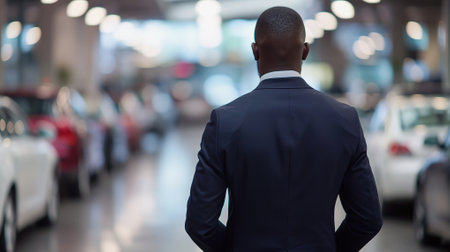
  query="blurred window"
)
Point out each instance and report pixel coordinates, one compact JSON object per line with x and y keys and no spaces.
{"x":35,"y":106}
{"x":427,"y":116}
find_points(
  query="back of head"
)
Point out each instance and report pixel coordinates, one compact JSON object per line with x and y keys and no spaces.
{"x":279,"y":22}
{"x":279,"y":40}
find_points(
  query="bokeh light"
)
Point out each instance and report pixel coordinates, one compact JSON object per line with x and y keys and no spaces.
{"x":77,"y":8}
{"x":343,"y":9}
{"x":33,"y":35}
{"x":110,"y":23}
{"x":414,"y":30}
{"x":7,"y":52}
{"x":313,"y":28}
{"x":95,"y":16}
{"x":48,"y":1}
{"x":361,"y":49}
{"x":326,"y":20}
{"x":378,"y":39}
{"x":372,"y":1}
{"x":207,"y":7}
{"x":13,"y":29}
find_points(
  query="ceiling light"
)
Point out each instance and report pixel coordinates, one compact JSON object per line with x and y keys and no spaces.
{"x":95,"y":16}
{"x":343,"y":9}
{"x":33,"y":36}
{"x":313,"y":28}
{"x":309,"y":39}
{"x":414,"y":30}
{"x":7,"y":52}
{"x":48,"y":1}
{"x":110,"y":23}
{"x":129,"y":34}
{"x":326,"y":20}
{"x":209,"y":22}
{"x":364,"y":47}
{"x":77,"y":8}
{"x":369,"y":41}
{"x":207,"y":7}
{"x":124,"y":31}
{"x":361,"y":49}
{"x":372,"y":1}
{"x":378,"y":39}
{"x":13,"y":29}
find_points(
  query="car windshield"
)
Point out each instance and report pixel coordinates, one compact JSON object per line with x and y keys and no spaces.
{"x":427,"y":116}
{"x":35,"y":106}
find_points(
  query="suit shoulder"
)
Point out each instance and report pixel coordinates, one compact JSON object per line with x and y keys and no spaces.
{"x":337,"y":109}
{"x":235,"y":105}
{"x":336,"y":103}
{"x":231,"y":116}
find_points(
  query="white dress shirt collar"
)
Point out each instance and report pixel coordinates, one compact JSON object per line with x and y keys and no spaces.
{"x":280,"y":74}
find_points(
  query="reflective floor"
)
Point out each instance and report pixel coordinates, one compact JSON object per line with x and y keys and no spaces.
{"x":141,"y":207}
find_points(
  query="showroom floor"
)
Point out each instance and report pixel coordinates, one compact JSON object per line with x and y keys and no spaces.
{"x":141,"y":207}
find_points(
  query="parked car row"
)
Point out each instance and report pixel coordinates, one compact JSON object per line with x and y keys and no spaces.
{"x":408,"y":146}
{"x":146,"y":115}
{"x":59,"y":116}
{"x":54,"y":139}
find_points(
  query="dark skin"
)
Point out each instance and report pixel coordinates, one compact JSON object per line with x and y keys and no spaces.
{"x":276,"y":53}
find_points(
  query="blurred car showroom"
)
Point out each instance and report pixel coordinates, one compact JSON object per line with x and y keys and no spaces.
{"x":103,"y":103}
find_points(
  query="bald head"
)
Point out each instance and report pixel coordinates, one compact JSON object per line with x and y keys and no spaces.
{"x":279,"y":40}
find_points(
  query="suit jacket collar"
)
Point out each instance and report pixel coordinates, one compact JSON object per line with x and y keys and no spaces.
{"x":284,"y":83}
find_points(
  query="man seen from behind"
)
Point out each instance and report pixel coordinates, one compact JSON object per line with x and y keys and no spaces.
{"x":285,"y":152}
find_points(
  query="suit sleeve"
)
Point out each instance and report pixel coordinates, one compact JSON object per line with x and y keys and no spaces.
{"x":359,"y":198}
{"x":207,"y":194}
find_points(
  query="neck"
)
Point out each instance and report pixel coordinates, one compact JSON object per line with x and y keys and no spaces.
{"x":264,"y":69}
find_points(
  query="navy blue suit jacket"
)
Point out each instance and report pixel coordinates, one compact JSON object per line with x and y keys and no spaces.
{"x":285,"y":152}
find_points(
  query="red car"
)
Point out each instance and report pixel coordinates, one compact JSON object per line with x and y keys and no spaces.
{"x":59,"y":115}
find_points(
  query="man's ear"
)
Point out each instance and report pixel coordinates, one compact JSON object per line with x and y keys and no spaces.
{"x":255,"y":51}
{"x":305,"y":51}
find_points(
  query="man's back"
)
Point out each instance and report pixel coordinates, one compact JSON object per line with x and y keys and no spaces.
{"x":284,"y":152}
{"x":286,"y":148}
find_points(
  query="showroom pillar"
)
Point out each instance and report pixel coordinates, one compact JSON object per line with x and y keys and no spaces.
{"x":44,"y":51}
{"x":2,"y":23}
{"x":446,"y":19}
{"x":75,"y":49}
{"x":397,"y":31}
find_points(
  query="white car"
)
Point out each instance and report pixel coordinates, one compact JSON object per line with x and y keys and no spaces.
{"x":7,"y":192}
{"x":28,"y":176}
{"x":403,"y":131}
